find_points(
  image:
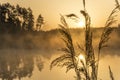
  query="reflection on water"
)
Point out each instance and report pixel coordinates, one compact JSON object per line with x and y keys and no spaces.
{"x":18,"y":65}
{"x":26,"y":65}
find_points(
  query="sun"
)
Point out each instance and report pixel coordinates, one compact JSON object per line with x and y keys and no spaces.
{"x":81,"y":57}
{"x":81,"y":24}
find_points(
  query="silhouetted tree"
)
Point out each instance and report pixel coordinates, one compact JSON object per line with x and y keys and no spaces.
{"x":9,"y":21}
{"x":30,"y":20}
{"x":39,"y":22}
{"x":15,"y":18}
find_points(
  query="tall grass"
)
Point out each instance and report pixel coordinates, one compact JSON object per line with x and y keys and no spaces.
{"x":68,"y":60}
{"x":105,"y":36}
{"x":89,"y":67}
{"x":111,"y":74}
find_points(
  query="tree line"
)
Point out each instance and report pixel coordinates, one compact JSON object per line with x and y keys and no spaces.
{"x":14,"y":19}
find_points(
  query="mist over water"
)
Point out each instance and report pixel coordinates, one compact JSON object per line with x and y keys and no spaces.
{"x":26,"y":55}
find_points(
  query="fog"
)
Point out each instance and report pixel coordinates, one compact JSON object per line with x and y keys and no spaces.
{"x":34,"y":52}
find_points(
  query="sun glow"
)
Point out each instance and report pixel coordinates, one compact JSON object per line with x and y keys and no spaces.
{"x":81,"y":24}
{"x":81,"y":57}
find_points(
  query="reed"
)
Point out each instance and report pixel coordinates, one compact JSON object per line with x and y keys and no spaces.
{"x":89,"y":68}
{"x":67,"y":60}
{"x":111,"y":74}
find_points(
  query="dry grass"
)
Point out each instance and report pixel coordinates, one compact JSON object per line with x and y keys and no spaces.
{"x":111,"y":74}
{"x":89,"y":68}
{"x":67,"y":60}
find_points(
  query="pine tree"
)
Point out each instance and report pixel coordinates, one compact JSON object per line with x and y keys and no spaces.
{"x":39,"y":22}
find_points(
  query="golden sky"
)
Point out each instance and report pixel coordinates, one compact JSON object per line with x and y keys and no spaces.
{"x":99,"y":10}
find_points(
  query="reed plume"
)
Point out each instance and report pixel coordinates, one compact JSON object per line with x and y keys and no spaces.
{"x":89,"y":67}
{"x":111,"y":74}
{"x":68,"y":59}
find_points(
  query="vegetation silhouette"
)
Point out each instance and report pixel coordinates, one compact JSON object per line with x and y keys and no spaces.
{"x":18,"y":66}
{"x":18,"y":22}
{"x":15,"y":19}
{"x":111,"y":74}
{"x":89,"y":67}
{"x":68,"y":59}
{"x":39,"y":22}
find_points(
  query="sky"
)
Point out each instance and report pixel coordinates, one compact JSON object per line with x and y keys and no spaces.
{"x":99,"y":10}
